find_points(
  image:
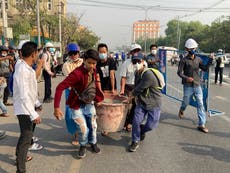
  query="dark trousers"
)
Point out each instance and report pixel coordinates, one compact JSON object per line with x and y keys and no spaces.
{"x":219,"y":70}
{"x":6,"y":91}
{"x":26,"y":130}
{"x":47,"y":79}
{"x":130,"y":114}
{"x":34,"y":125}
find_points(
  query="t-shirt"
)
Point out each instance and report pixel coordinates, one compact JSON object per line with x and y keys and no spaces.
{"x":150,"y":58}
{"x":104,"y":68}
{"x":127,"y":70}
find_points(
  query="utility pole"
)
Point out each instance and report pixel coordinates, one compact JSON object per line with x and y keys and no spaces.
{"x":178,"y":33}
{"x":60,"y":23}
{"x":4,"y":17}
{"x":38,"y":23}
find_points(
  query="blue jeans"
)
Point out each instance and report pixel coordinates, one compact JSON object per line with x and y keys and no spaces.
{"x":85,"y":119}
{"x":197,"y":91}
{"x":153,"y":117}
{"x":70,"y":124}
{"x":2,"y":105}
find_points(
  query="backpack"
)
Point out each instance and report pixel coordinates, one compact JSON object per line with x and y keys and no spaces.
{"x":159,"y":76}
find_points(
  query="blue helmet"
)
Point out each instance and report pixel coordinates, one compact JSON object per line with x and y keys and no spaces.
{"x":72,"y":47}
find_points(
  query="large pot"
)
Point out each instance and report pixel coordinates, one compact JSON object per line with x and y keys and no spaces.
{"x":111,"y":114}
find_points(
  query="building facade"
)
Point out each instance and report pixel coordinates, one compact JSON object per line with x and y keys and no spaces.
{"x":146,"y":29}
{"x":50,"y":7}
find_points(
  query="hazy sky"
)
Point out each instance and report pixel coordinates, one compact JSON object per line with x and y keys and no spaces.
{"x":113,"y":22}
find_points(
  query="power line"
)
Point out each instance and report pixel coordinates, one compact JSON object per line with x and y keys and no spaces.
{"x":155,"y":8}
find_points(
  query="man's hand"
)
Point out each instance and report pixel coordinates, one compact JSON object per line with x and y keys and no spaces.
{"x":38,"y":120}
{"x":121,"y":92}
{"x":58,"y":113}
{"x":190,"y":79}
{"x":98,"y":104}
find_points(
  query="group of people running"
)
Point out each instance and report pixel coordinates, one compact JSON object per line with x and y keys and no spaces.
{"x":87,"y":77}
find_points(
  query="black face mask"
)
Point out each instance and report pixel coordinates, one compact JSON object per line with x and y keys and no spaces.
{"x":192,"y":51}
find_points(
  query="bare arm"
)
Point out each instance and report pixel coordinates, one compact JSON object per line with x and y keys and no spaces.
{"x":38,"y":70}
{"x":112,"y":80}
{"x":123,"y":81}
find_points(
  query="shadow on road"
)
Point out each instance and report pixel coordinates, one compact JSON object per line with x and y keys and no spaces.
{"x":215,"y":152}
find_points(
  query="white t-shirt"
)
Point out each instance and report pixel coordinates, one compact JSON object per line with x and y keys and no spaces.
{"x":127,"y":70}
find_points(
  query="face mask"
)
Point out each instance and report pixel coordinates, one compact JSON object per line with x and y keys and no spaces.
{"x":4,"y":54}
{"x":52,"y":50}
{"x":139,"y":66}
{"x":192,"y":52}
{"x":154,"y":52}
{"x":102,"y":56}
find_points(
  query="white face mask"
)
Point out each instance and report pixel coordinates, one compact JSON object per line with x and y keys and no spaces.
{"x":139,"y":66}
{"x":154,"y":52}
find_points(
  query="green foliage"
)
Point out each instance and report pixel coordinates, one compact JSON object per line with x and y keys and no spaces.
{"x":71,"y":30}
{"x":210,"y":38}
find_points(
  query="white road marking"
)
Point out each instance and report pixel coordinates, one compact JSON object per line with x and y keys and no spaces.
{"x":225,"y":118}
{"x":223,"y":98}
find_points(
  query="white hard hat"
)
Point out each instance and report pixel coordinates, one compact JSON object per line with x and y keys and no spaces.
{"x":135,"y":46}
{"x":191,"y":43}
{"x":48,"y":44}
{"x":21,"y":43}
{"x":220,"y":50}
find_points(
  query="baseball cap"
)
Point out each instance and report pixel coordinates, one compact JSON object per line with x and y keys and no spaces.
{"x":138,"y":56}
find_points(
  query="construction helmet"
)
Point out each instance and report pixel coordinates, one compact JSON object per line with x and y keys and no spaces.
{"x":191,"y":43}
{"x":72,"y":47}
{"x":21,"y":44}
{"x":135,"y":46}
{"x":220,"y":50}
{"x":48,"y":44}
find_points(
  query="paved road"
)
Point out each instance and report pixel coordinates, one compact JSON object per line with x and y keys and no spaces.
{"x":174,"y":147}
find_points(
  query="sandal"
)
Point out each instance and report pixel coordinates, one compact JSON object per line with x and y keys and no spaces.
{"x":28,"y":158}
{"x":203,"y":129}
{"x":128,"y":128}
{"x":4,"y":115}
{"x":75,"y":143}
{"x":104,"y":133}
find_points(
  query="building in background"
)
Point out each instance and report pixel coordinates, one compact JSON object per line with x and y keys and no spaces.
{"x":146,"y":29}
{"x":50,"y":7}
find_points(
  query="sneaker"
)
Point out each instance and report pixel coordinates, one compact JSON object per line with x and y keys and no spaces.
{"x":134,"y":146}
{"x":35,"y":139}
{"x":203,"y":129}
{"x":142,"y":137}
{"x":82,"y":152}
{"x":35,"y":147}
{"x":181,"y":114}
{"x":95,"y":148}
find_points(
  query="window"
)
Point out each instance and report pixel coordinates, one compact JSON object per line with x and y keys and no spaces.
{"x":6,"y":4}
{"x":49,"y":4}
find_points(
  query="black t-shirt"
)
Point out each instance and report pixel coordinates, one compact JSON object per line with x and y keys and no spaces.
{"x":104,"y":71}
